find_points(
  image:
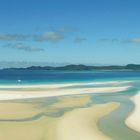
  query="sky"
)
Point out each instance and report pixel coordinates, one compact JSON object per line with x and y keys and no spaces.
{"x":98,"y":32}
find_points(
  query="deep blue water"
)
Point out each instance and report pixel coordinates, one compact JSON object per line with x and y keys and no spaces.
{"x":44,"y":76}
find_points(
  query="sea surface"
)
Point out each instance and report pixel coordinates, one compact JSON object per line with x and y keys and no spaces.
{"x":44,"y":76}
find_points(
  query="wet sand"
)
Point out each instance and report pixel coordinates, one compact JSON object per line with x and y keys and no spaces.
{"x":77,"y":124}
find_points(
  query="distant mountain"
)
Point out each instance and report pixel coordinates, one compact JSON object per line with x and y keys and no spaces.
{"x":25,"y":64}
{"x":80,"y":67}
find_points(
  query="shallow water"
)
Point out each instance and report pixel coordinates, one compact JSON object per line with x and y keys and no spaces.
{"x":113,"y":125}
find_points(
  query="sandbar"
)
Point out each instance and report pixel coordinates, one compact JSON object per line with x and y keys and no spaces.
{"x":133,"y":120}
{"x":15,"y":94}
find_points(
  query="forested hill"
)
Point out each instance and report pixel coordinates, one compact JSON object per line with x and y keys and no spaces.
{"x":80,"y":67}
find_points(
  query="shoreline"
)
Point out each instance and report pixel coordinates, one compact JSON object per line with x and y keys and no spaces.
{"x":133,"y":121}
{"x":81,"y":124}
{"x":13,"y":92}
{"x":61,"y":85}
{"x":12,"y":95}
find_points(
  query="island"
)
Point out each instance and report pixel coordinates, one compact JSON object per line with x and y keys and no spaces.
{"x":80,"y":67}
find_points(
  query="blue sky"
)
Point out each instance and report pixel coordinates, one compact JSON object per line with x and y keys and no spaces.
{"x":70,"y":31}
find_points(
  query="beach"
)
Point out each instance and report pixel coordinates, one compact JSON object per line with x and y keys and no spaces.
{"x":77,"y":124}
{"x":67,"y":110}
{"x":11,"y":92}
{"x":133,"y":119}
{"x":81,"y":124}
{"x":11,"y":95}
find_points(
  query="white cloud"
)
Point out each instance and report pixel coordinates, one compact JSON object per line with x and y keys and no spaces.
{"x":133,"y":40}
{"x":13,"y":37}
{"x":50,"y":36}
{"x":21,"y":46}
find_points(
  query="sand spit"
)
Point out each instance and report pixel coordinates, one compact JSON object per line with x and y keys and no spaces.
{"x":133,"y":120}
{"x":52,"y":86}
{"x":15,"y":94}
{"x":81,"y":124}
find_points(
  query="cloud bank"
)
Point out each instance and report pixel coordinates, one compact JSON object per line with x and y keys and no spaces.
{"x":13,"y":37}
{"x":19,"y":41}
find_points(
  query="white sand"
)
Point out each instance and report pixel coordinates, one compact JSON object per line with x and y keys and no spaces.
{"x":81,"y":124}
{"x":78,"y":124}
{"x":133,"y":120}
{"x":10,"y":95}
{"x":52,"y":86}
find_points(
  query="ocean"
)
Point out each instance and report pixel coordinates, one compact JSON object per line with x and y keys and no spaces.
{"x":44,"y":76}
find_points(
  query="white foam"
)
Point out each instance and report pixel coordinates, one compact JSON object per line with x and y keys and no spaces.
{"x":133,"y":120}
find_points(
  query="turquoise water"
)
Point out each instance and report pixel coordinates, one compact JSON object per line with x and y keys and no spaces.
{"x":113,"y":125}
{"x":44,"y":76}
